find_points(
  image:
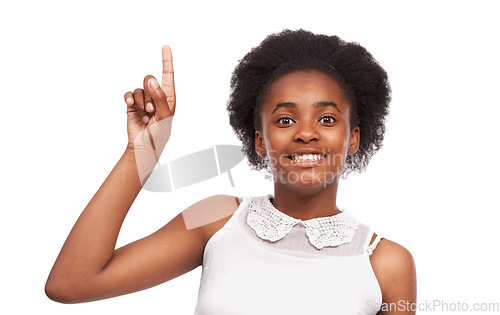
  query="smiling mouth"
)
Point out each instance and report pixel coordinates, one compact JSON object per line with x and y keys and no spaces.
{"x":306,"y":157}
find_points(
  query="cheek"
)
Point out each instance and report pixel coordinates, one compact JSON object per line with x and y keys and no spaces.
{"x":338,"y":144}
{"x":270,"y":138}
{"x":336,"y":140}
{"x":275,"y":144}
{"x":273,"y":147}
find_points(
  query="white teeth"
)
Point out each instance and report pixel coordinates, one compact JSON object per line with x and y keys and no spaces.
{"x":307,"y":157}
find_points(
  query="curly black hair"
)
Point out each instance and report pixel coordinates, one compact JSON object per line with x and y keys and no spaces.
{"x":363,"y":80}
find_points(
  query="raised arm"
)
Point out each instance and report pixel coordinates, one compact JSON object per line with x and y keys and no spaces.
{"x":88,"y":267}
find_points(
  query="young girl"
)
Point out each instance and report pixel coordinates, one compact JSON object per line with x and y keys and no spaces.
{"x":308,"y":108}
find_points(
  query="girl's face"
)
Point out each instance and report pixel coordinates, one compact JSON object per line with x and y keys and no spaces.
{"x":305,"y":129}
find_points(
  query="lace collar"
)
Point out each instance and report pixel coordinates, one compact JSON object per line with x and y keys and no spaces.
{"x":271,"y":224}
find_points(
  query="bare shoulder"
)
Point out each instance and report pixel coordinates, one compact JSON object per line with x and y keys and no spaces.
{"x":210,"y":214}
{"x":389,"y":254}
{"x":394,"y":268}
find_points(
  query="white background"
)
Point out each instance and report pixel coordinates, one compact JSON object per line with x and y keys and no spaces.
{"x":65,"y":67}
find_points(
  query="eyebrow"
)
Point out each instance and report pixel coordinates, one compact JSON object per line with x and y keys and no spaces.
{"x":318,"y":104}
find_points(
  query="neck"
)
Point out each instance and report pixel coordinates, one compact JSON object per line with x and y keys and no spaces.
{"x":305,"y":204}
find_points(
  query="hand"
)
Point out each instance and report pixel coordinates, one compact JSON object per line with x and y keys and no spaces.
{"x":150,"y":110}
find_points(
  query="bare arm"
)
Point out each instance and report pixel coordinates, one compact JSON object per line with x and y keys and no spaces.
{"x":395,"y":270}
{"x":88,"y":267}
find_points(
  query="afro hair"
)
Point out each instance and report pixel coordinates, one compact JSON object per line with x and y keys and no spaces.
{"x":363,"y":80}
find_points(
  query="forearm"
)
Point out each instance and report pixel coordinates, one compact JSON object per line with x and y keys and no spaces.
{"x":84,"y":268}
{"x":91,"y":242}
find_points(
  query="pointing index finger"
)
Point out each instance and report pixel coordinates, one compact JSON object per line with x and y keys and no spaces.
{"x":167,"y":79}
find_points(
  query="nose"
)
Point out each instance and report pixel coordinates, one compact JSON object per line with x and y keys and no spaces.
{"x":306,"y":133}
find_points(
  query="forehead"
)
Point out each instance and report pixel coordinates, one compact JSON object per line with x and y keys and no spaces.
{"x":307,"y":88}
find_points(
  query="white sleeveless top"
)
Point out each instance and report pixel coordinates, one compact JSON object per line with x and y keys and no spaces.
{"x":263,"y":261}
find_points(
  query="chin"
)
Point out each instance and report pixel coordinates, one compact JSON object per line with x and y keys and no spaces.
{"x":303,"y":180}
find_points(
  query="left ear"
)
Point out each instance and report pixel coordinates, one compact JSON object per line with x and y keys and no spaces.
{"x":353,"y":141}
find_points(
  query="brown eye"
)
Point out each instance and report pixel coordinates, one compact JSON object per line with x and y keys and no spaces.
{"x":284,"y":121}
{"x":327,"y":120}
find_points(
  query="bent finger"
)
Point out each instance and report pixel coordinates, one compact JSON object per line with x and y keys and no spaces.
{"x":148,"y":100}
{"x":139,"y":103}
{"x":129,"y":99}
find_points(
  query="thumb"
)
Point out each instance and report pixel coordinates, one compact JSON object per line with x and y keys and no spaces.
{"x":160,"y":99}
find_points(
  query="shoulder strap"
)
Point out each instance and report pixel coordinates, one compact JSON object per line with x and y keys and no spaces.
{"x":373,"y":245}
